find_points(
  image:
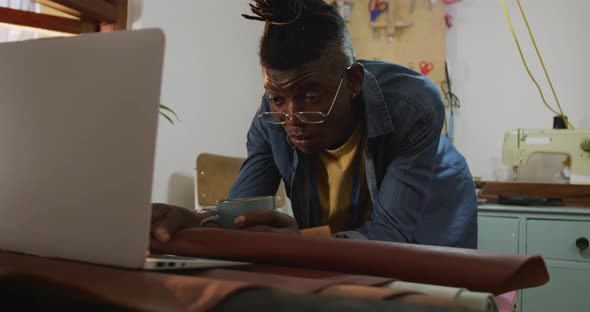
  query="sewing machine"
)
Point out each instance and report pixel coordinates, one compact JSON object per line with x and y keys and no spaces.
{"x":520,"y":144}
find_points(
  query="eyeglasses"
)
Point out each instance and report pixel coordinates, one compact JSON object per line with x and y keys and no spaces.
{"x":278,"y":118}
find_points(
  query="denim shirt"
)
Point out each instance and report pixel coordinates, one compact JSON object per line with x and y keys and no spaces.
{"x":420,"y":185}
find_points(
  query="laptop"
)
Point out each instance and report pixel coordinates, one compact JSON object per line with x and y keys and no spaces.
{"x":78,"y":123}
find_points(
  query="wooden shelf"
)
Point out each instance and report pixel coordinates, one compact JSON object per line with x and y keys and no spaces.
{"x":92,"y":16}
{"x":45,"y":21}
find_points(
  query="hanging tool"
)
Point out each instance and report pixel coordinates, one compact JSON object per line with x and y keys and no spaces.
{"x":448,"y":16}
{"x":391,"y":20}
{"x":412,"y":6}
{"x":428,"y":4}
{"x":392,"y":23}
{"x":448,"y":20}
{"x":344,"y":8}
{"x":452,"y":101}
{"x":426,"y":67}
{"x":376,"y":7}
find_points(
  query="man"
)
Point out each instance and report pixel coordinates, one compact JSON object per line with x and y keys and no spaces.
{"x":357,"y":144}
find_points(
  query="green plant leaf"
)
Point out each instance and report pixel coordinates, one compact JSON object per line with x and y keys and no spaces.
{"x":166,"y":116}
{"x":164,"y":109}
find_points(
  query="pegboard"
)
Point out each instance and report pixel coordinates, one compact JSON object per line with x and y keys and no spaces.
{"x":423,"y":40}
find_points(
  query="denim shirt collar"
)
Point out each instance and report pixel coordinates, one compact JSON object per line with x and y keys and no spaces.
{"x":378,"y":119}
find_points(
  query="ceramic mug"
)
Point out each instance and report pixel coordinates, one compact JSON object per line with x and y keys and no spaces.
{"x":229,"y":209}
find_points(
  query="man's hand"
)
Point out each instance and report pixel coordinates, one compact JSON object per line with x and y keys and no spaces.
{"x":167,"y":220}
{"x":267,"y":221}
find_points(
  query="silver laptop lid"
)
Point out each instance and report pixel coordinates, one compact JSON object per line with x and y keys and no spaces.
{"x":78,"y":121}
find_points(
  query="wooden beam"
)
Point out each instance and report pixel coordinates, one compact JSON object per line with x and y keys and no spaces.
{"x":59,"y":7}
{"x":44,"y":21}
{"x":121,"y":23}
{"x":99,"y":10}
{"x":123,"y":6}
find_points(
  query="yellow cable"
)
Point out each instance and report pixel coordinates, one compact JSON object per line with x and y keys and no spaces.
{"x":560,"y":113}
{"x":522,"y":57}
{"x":566,"y":121}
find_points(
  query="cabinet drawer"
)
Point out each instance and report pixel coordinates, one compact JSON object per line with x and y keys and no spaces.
{"x":556,"y":239}
{"x":566,"y":291}
{"x":497,"y":234}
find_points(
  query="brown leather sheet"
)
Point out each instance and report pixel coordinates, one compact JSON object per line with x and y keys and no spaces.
{"x":136,"y":290}
{"x":472,"y":269}
{"x":357,"y":279}
{"x":275,"y":281}
{"x":336,"y":285}
{"x":200,"y":291}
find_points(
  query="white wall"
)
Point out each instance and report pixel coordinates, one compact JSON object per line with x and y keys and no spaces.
{"x":15,"y":33}
{"x":212,"y":79}
{"x":492,"y":84}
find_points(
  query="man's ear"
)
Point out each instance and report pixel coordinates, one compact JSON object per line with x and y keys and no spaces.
{"x":356,"y":74}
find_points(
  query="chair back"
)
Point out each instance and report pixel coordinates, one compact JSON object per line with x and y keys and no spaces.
{"x":215,"y":175}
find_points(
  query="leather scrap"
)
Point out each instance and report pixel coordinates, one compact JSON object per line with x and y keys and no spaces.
{"x":136,"y":290}
{"x":475,"y":270}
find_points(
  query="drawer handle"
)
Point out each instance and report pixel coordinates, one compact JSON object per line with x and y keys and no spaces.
{"x":582,"y":243}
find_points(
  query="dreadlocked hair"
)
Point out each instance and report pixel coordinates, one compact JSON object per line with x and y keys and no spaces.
{"x":297,"y":31}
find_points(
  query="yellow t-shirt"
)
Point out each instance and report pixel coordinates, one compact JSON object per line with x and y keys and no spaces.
{"x":335,"y":173}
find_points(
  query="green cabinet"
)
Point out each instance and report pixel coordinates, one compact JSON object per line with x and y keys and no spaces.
{"x":497,"y":234}
{"x":559,"y":235}
{"x":567,"y":290}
